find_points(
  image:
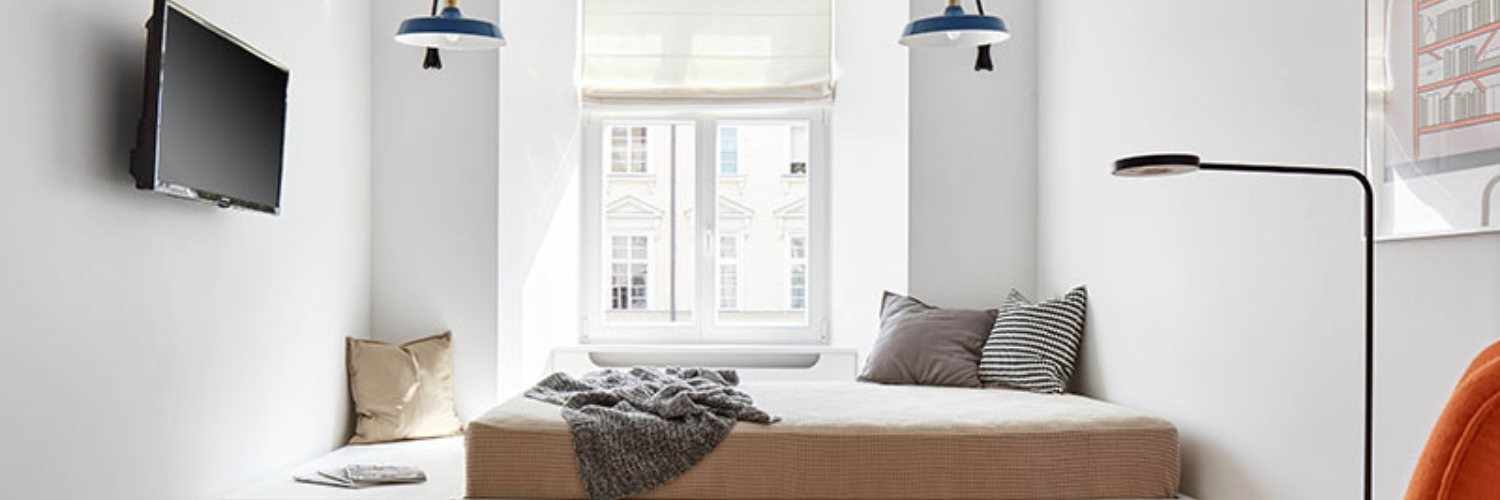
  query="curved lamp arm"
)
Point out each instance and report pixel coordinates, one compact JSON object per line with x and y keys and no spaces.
{"x":1364,"y":182}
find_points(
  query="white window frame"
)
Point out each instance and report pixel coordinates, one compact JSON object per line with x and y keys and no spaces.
{"x":704,"y":326}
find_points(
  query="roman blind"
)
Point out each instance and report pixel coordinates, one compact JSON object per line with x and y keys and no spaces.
{"x":707,"y":50}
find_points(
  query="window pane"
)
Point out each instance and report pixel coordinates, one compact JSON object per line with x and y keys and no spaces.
{"x":762,"y":220}
{"x":729,"y":272}
{"x":798,"y":145}
{"x":648,"y":226}
{"x":798,"y":247}
{"x":629,"y":148}
{"x":797,"y":298}
{"x":729,"y":158}
{"x":729,"y":288}
{"x":728,"y":247}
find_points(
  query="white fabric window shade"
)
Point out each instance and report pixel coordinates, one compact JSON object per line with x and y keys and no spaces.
{"x":707,"y":50}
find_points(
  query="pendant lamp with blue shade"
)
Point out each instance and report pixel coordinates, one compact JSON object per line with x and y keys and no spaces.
{"x":448,"y":30}
{"x":956,"y":28}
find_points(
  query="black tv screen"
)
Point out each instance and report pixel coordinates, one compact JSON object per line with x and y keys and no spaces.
{"x":215,"y":115}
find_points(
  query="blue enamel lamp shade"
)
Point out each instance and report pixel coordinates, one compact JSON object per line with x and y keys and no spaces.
{"x":954,"y":28}
{"x":450,"y":30}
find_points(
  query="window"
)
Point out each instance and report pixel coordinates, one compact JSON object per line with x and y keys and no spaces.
{"x":630,"y":273}
{"x":627,"y":150}
{"x":705,"y":131}
{"x":718,"y":228}
{"x":729,"y":151}
{"x":796,"y":273}
{"x":729,"y":272}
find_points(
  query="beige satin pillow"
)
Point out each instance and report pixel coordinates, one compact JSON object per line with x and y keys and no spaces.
{"x":402,"y":392}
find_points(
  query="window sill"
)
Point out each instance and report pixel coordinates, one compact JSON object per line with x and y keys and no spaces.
{"x":712,"y":348}
{"x":755,"y":362}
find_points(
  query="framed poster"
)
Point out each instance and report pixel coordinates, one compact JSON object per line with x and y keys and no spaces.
{"x":1433,"y":130}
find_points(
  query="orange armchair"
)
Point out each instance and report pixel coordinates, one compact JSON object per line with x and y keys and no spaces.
{"x":1462,"y":457}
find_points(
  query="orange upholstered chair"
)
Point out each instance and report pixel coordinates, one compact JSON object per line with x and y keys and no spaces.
{"x":1462,"y":458}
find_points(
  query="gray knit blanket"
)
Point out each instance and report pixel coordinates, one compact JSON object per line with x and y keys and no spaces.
{"x":635,"y":430}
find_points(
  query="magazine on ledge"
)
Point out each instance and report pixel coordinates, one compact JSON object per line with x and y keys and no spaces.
{"x":360,"y":476}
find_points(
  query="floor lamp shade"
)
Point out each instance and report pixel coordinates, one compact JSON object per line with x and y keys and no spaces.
{"x":1155,"y":165}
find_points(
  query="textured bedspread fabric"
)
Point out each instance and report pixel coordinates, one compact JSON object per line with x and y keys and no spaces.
{"x":636,"y":429}
{"x":847,"y":440}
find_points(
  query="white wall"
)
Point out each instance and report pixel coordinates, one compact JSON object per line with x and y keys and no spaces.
{"x":435,"y":152}
{"x":973,"y":166}
{"x":156,"y":348}
{"x":539,"y":216}
{"x":1231,"y":304}
{"x":869,"y":185}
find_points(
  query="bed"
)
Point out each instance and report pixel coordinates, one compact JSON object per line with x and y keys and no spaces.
{"x":850,"y":440}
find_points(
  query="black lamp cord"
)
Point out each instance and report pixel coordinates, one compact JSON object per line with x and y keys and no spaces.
{"x":433,"y":60}
{"x":984,"y":62}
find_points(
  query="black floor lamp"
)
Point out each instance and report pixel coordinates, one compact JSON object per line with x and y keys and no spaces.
{"x":1169,"y":164}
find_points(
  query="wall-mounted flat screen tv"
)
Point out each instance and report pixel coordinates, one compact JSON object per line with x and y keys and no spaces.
{"x":214,"y":122}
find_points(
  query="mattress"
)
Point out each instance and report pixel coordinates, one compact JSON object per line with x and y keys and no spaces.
{"x":852,"y":440}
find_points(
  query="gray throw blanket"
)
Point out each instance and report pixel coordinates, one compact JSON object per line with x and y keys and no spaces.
{"x":638,"y":429}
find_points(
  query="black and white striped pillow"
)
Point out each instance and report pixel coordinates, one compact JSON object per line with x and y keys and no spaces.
{"x":1033,"y":346}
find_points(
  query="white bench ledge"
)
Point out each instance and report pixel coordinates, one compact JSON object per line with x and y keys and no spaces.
{"x":755,"y":363}
{"x":442,"y":460}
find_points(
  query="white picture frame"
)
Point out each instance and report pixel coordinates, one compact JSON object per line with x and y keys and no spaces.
{"x":1433,"y":116}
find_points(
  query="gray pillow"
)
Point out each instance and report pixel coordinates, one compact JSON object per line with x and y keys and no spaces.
{"x":921,"y":344}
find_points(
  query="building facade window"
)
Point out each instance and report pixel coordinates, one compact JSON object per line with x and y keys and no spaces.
{"x":629,"y":273}
{"x":729,"y":272}
{"x":797,"y":273}
{"x":797,"y":148}
{"x":627,"y":150}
